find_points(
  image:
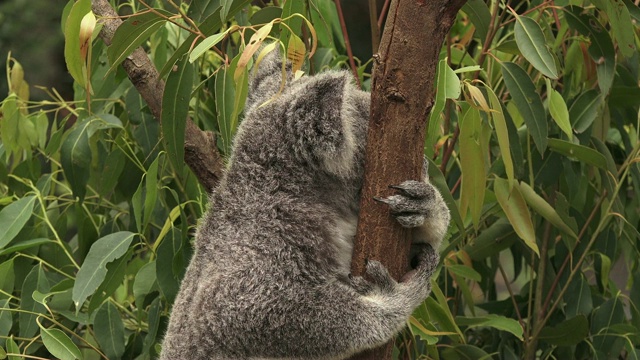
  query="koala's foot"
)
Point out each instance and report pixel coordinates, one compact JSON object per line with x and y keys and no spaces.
{"x":412,"y":204}
{"x":424,"y":260}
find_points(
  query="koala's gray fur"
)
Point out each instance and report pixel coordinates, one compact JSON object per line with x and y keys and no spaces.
{"x":270,"y":275}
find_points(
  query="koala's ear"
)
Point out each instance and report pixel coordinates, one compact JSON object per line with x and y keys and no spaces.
{"x":322,"y":115}
{"x":266,"y":80}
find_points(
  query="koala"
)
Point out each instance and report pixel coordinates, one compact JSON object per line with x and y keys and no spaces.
{"x":270,"y":275}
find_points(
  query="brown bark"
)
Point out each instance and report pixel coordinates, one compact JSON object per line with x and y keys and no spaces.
{"x":401,"y":97}
{"x":200,"y":151}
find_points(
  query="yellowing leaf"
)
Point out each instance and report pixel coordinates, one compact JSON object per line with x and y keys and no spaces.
{"x":295,"y":52}
{"x":478,"y":98}
{"x":472,"y":163}
{"x":515,"y":207}
{"x":254,"y":44}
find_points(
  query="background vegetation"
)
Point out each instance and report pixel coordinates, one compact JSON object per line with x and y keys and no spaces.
{"x":533,"y":137}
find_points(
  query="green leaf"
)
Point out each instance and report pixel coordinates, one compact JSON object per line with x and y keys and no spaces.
{"x":464,"y":352}
{"x":12,"y":348}
{"x":116,"y":271}
{"x":621,"y":25}
{"x":437,"y":179}
{"x":294,"y":23}
{"x":14,"y":217}
{"x":208,"y":27}
{"x":75,"y":156}
{"x":93,"y":270}
{"x":23,"y":245}
{"x":567,"y":333}
{"x":582,"y":153}
{"x":207,"y":44}
{"x":480,"y":17}
{"x":132,"y":33}
{"x":532,"y":45}
{"x":584,"y":110}
{"x":502,"y":132}
{"x":491,"y":241}
{"x":224,"y":98}
{"x":464,"y":271}
{"x":601,"y":50}
{"x":36,"y":280}
{"x":472,"y":165}
{"x":145,"y":281}
{"x":515,"y":207}
{"x":528,"y":102}
{"x":72,"y":55}
{"x":542,"y":207}
{"x":59,"y":344}
{"x":109,"y":331}
{"x":175,"y":109}
{"x":494,"y":321}
{"x":558,"y":110}
{"x":439,"y":313}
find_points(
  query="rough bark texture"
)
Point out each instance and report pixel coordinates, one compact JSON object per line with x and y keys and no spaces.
{"x":201,"y":153}
{"x":401,"y":98}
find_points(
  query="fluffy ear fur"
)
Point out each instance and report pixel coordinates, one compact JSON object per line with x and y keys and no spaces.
{"x":321,"y":114}
{"x":266,"y":82}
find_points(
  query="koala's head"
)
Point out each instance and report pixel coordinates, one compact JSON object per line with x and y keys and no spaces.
{"x":311,"y":125}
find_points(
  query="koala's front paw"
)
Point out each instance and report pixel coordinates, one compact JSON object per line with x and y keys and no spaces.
{"x":380,"y":276}
{"x":412,"y":204}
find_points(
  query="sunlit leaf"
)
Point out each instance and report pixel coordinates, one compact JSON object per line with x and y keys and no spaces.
{"x":93,"y":270}
{"x":528,"y":102}
{"x":207,"y":44}
{"x":515,"y":207}
{"x":254,"y":44}
{"x":295,"y":52}
{"x":502,"y":133}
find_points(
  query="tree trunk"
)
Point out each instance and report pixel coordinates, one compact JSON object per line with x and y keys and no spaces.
{"x":401,"y":98}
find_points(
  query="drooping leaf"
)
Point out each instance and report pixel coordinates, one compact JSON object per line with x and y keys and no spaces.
{"x":584,"y":110}
{"x":36,"y":280}
{"x":621,"y":24}
{"x":295,"y":52}
{"x":23,"y":245}
{"x":543,"y":208}
{"x":175,"y":108}
{"x":502,"y":133}
{"x":72,"y":55}
{"x":12,"y":348}
{"x":515,"y":207}
{"x":528,"y":102}
{"x":132,"y":33}
{"x":59,"y":344}
{"x":464,"y":271}
{"x":75,"y":156}
{"x":494,"y":321}
{"x":254,"y":44}
{"x":145,"y":281}
{"x":93,"y":270}
{"x":567,"y":333}
{"x":480,"y":17}
{"x":294,"y":22}
{"x":472,"y":165}
{"x":497,"y":237}
{"x":109,"y":330}
{"x":448,"y":87}
{"x":210,"y":26}
{"x":601,"y":49}
{"x":558,"y":110}
{"x":14,"y":217}
{"x":532,"y":45}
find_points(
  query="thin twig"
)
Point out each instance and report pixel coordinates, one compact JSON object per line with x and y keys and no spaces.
{"x":347,"y":43}
{"x":383,"y":13}
{"x":375,"y":29}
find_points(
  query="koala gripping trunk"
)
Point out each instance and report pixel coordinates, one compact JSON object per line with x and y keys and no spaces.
{"x":401,"y":99}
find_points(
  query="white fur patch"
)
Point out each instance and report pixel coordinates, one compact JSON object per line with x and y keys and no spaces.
{"x":344,"y":232}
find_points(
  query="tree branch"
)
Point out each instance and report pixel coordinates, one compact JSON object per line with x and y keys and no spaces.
{"x":401,"y":98}
{"x":201,"y":153}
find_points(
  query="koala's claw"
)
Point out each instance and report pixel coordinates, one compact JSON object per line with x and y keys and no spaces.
{"x":412,"y":203}
{"x":379,"y":275}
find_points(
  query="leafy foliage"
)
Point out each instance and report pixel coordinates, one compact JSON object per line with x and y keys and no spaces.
{"x":534,"y":129}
